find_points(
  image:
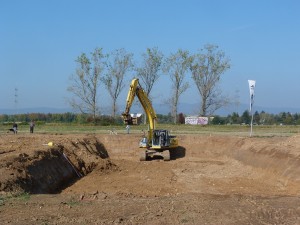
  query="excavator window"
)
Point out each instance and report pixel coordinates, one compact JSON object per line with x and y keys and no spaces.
{"x":161,"y":137}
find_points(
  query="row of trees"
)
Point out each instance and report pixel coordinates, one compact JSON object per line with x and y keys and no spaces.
{"x":76,"y":118}
{"x":261,"y":118}
{"x":205,"y":67}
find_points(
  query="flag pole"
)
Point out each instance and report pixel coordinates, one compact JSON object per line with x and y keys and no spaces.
{"x":251,"y":124}
{"x":251,"y":89}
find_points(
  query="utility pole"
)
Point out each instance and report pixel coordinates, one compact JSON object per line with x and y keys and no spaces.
{"x":16,"y":100}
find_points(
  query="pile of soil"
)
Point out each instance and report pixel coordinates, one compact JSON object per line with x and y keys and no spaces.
{"x":98,"y":179}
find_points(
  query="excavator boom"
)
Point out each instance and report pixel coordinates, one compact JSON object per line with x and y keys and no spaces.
{"x":136,"y":90}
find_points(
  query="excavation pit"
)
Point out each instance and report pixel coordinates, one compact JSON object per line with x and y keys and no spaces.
{"x":212,"y":179}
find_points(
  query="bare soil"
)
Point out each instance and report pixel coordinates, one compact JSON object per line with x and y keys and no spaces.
{"x":98,"y":179}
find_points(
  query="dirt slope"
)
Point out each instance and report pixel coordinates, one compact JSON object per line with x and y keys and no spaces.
{"x":97,"y":179}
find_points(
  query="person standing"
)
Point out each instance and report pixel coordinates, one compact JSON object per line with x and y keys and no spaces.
{"x":128,"y":129}
{"x":32,"y":125}
{"x":15,"y":128}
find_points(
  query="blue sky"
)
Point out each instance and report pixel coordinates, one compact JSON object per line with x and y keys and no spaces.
{"x":40,"y":40}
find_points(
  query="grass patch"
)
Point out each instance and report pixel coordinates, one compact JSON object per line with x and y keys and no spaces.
{"x":72,"y":202}
{"x":2,"y":200}
{"x":235,"y":130}
{"x":24,"y":196}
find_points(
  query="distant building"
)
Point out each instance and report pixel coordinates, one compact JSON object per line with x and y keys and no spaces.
{"x":194,"y":120}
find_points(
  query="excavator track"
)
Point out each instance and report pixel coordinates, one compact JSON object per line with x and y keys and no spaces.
{"x":143,"y":156}
{"x":166,"y":155}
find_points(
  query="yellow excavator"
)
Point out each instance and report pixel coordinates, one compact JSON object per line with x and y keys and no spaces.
{"x":157,"y":143}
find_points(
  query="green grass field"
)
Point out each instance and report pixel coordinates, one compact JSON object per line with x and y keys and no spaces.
{"x":235,"y":130}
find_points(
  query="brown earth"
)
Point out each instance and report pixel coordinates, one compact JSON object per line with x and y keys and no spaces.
{"x":98,"y":179}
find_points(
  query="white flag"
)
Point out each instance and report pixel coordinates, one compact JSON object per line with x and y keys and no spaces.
{"x":251,"y":88}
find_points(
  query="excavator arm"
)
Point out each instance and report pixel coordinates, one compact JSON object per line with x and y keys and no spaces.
{"x":136,"y":90}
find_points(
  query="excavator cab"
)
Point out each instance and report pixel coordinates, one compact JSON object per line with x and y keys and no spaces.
{"x":160,"y":138}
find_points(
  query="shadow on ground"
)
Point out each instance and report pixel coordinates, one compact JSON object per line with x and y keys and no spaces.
{"x":177,"y":153}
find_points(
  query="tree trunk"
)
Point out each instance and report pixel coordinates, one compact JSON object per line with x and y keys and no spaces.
{"x":114,"y":109}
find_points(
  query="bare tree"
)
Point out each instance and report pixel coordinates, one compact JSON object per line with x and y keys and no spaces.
{"x":148,"y":72}
{"x":85,"y":83}
{"x":119,"y":63}
{"x":177,"y":65}
{"x":207,"y":68}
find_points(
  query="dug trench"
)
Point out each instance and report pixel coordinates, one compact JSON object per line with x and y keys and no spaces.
{"x":58,"y":166}
{"x":55,"y":168}
{"x":261,"y":175}
{"x":51,"y":169}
